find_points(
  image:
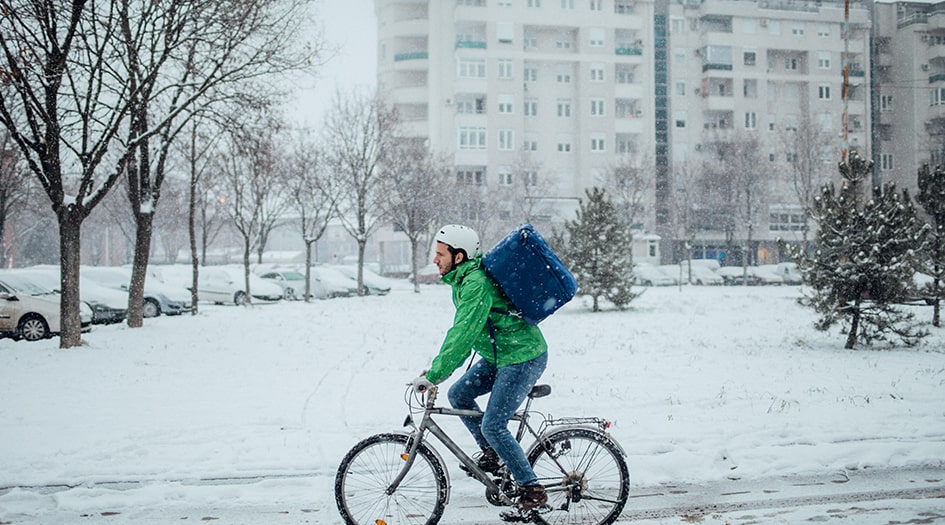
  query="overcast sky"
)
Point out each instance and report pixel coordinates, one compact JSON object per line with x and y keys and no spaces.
{"x":349,"y":25}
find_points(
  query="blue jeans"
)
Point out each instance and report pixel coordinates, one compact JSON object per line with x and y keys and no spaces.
{"x":510,"y":386}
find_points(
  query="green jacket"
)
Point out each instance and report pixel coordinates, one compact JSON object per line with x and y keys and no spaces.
{"x":478,"y":298}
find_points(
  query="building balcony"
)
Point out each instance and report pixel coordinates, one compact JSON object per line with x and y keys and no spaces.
{"x":719,"y":103}
{"x":710,"y":66}
{"x":411,"y":60}
{"x":937,"y":113}
{"x":411,"y":94}
{"x":936,"y":52}
{"x":630,"y":124}
{"x":470,"y":44}
{"x":631,"y":91}
{"x":936,"y":77}
{"x":629,"y":51}
{"x":409,"y":27}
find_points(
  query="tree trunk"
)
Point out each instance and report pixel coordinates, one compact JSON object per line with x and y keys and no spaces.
{"x":595,"y":307}
{"x":192,"y":220}
{"x":70,"y":225}
{"x":246,"y":252}
{"x":415,"y":263}
{"x":854,"y":327}
{"x":139,"y":269}
{"x":361,"y":245}
{"x":308,"y":270}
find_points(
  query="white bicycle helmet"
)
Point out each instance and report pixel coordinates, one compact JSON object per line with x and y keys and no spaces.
{"x":459,"y":237}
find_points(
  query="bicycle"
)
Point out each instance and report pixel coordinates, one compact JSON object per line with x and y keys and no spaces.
{"x":398,"y":478}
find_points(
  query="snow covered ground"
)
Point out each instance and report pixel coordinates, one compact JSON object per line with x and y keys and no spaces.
{"x":253,"y":408}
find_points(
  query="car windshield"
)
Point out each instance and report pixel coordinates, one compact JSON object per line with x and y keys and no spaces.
{"x":24,"y":286}
{"x":293,"y":276}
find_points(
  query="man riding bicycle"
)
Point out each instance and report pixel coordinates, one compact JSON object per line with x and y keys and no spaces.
{"x":513,"y":356}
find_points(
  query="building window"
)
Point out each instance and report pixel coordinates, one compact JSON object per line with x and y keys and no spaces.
{"x":750,"y":58}
{"x":790,"y":64}
{"x":567,"y":4}
{"x":472,"y":138}
{"x":677,"y":25}
{"x":597,"y":72}
{"x":798,"y":29}
{"x":505,"y":68}
{"x":564,"y":107}
{"x":470,"y":104}
{"x":937,"y":97}
{"x":564,"y":143}
{"x":679,"y":56}
{"x":623,"y":7}
{"x":563,"y":41}
{"x":531,"y":107}
{"x":886,"y":103}
{"x":534,"y":3}
{"x":681,"y":88}
{"x":786,"y":221}
{"x":823,"y":59}
{"x":530,"y":143}
{"x":597,"y":142}
{"x":823,"y":30}
{"x":597,"y":107}
{"x":531,"y":177}
{"x":597,"y":5}
{"x":506,"y":139}
{"x":823,"y":92}
{"x":472,"y":176}
{"x":597,"y":37}
{"x":751,"y":120}
{"x":531,"y":73}
{"x":563,"y":75}
{"x":505,"y":103}
{"x":680,"y":117}
{"x":504,"y":173}
{"x":472,"y":68}
{"x":886,"y":162}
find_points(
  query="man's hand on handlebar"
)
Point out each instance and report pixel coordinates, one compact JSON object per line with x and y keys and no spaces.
{"x":421,"y":384}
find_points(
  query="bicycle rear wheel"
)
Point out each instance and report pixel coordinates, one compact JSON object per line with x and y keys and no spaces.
{"x":585,"y":476}
{"x":368,"y":469}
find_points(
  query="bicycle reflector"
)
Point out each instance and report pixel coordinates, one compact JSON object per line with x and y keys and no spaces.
{"x":405,"y":456}
{"x":380,"y":522}
{"x":607,"y":424}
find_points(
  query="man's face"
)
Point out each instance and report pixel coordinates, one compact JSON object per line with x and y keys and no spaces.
{"x":443,"y":260}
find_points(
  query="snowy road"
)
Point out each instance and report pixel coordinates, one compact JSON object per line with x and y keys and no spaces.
{"x":888,"y":496}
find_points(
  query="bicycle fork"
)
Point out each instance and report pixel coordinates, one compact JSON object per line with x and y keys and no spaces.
{"x":428,"y":424}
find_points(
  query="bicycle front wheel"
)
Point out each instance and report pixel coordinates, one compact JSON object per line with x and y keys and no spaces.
{"x":366,"y":473}
{"x":585,"y":476}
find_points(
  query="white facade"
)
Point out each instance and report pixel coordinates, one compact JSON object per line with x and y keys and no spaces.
{"x":574,"y":85}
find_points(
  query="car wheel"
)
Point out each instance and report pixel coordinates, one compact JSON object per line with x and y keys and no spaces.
{"x":33,"y":328}
{"x":150,"y":308}
{"x":290,"y":295}
{"x":240,"y":298}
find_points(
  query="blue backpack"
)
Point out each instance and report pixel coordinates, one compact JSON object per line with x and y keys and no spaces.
{"x":530,"y":274}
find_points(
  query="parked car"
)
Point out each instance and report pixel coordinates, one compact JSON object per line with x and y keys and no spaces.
{"x":766,"y":276}
{"x":672,"y":271}
{"x":789,"y":272}
{"x":329,"y":283}
{"x":429,"y":274}
{"x":375,"y":284}
{"x":291,"y":282}
{"x":756,"y":276}
{"x":700,"y":275}
{"x":649,"y":275}
{"x":108,"y":306}
{"x":29,"y":311}
{"x":159,"y":297}
{"x":227,"y":285}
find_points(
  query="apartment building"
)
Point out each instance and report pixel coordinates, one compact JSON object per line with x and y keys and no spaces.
{"x":909,"y":90}
{"x":576,"y":87}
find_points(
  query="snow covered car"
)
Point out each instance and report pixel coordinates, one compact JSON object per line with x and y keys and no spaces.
{"x":29,"y":311}
{"x":375,"y":284}
{"x":226,"y":285}
{"x":291,"y":282}
{"x":159,"y":297}
{"x":649,"y":275}
{"x":701,"y":275}
{"x":108,"y":306}
{"x":329,"y":283}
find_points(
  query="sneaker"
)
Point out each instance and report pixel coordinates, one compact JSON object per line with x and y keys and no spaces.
{"x":488,"y":461}
{"x":531,"y":497}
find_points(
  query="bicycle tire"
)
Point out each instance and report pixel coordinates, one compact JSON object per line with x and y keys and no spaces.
{"x":369,"y":468}
{"x":592,"y":483}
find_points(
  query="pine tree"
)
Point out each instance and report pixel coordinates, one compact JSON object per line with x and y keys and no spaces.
{"x":599,"y":251}
{"x":866,"y":256}
{"x":932,"y":198}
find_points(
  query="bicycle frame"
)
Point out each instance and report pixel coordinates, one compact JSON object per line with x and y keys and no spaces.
{"x":427,"y":424}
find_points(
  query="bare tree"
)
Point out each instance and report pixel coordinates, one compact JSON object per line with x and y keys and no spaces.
{"x":359,"y":129}
{"x":183,"y":55}
{"x":68,"y":108}
{"x":734,"y":187}
{"x":312,"y":196}
{"x":804,"y":149}
{"x":419,"y":186}
{"x":254,"y":186}
{"x":628,"y":181}
{"x":14,"y":190}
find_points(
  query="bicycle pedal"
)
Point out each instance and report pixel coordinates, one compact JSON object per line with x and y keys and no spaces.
{"x":532,"y":516}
